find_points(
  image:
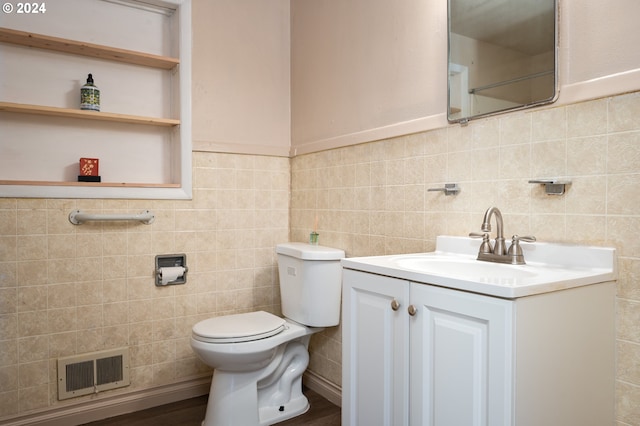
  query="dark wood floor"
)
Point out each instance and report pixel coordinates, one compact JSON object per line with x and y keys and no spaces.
{"x":191,"y":413}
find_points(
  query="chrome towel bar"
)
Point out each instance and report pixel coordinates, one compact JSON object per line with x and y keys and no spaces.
{"x":77,"y":217}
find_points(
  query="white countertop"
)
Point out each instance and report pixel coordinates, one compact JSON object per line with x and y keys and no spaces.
{"x":549,"y":267}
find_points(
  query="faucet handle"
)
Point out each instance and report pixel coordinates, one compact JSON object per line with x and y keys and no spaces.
{"x":527,"y":238}
{"x":515,"y":251}
{"x":485,"y":247}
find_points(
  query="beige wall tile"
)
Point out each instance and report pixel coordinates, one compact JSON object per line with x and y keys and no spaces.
{"x":628,"y":355}
{"x":31,"y":222}
{"x":8,"y":274}
{"x":141,"y":355}
{"x":89,"y":340}
{"x":8,"y":300}
{"x":91,"y":317}
{"x":8,"y":248}
{"x":8,"y":327}
{"x":33,"y":272}
{"x":115,"y":313}
{"x":627,"y":407}
{"x":34,"y":397}
{"x":588,"y":195}
{"x":61,"y":296}
{"x":61,"y":320}
{"x":34,"y":373}
{"x":515,"y":129}
{"x":629,"y":278}
{"x":622,"y":234}
{"x":587,"y":156}
{"x":623,"y":153}
{"x":8,"y":222}
{"x":548,"y":159}
{"x":9,"y":403}
{"x":89,"y":292}
{"x":628,"y":320}
{"x":9,"y":354}
{"x":163,"y":351}
{"x":587,"y":118}
{"x":549,"y":124}
{"x":624,"y":112}
{"x":511,"y":162}
{"x":486,"y":134}
{"x":62,"y":344}
{"x":623,"y":194}
{"x":32,"y":323}
{"x":140,"y":333}
{"x":8,"y":378}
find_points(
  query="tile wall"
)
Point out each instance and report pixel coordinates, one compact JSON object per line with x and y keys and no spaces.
{"x":67,"y":289}
{"x":373,"y":199}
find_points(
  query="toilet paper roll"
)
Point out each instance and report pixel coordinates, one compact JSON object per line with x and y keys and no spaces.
{"x":171,"y":273}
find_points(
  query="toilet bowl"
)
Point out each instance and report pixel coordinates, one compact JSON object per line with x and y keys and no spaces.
{"x":259,"y":358}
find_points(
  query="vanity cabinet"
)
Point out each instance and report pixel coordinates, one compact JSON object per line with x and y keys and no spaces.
{"x":423,"y":355}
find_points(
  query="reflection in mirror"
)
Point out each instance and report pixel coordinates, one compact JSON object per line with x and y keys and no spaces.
{"x":502,"y":56}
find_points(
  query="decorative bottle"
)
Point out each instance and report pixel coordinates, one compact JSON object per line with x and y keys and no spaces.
{"x":90,"y":96}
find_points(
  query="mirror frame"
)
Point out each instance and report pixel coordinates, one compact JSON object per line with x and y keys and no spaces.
{"x":549,"y":100}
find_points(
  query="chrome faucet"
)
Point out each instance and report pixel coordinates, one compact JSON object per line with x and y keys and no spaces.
{"x":499,"y":247}
{"x":498,"y":252}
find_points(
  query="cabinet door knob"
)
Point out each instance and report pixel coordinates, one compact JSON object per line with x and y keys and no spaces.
{"x":412,"y":310}
{"x":395,"y":305}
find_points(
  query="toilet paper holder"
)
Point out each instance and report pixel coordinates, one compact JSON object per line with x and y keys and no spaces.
{"x":171,"y":261}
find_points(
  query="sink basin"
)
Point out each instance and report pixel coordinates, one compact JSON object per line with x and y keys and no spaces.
{"x":549,"y":267}
{"x":462,"y":267}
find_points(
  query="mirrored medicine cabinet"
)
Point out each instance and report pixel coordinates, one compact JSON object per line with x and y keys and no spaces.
{"x":502,"y":56}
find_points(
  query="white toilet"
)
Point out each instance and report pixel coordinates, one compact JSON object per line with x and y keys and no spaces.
{"x":258,"y":358}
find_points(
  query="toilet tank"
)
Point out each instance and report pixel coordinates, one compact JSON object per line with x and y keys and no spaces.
{"x":310,"y":283}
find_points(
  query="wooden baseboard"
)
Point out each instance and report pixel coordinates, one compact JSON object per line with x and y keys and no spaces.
{"x":114,"y":406}
{"x":92,"y":411}
{"x":323,"y":387}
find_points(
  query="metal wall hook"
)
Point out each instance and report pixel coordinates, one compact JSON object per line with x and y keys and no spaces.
{"x":449,"y":189}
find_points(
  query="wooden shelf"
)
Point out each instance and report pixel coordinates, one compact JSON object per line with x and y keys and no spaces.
{"x":87,"y":115}
{"x":100,"y":184}
{"x":172,"y":171}
{"x":86,"y":49}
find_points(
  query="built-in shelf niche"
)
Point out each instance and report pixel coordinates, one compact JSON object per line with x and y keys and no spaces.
{"x":178,"y":128}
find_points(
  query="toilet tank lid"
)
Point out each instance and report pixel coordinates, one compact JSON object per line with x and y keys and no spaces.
{"x":309,"y":252}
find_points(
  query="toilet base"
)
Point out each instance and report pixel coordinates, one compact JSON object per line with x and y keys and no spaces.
{"x":272,"y":415}
{"x":264,"y":397}
{"x":293,"y":408}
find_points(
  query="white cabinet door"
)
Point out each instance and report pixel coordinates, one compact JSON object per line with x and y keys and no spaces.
{"x":461,"y":358}
{"x":375,"y":359}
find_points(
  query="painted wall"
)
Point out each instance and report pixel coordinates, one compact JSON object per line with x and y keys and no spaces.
{"x":241,"y":80}
{"x":365,"y":70}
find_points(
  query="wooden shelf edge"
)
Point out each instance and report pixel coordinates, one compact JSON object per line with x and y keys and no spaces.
{"x":103,"y":184}
{"x":87,"y":115}
{"x":42,"y":41}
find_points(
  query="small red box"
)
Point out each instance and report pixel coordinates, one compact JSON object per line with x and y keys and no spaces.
{"x":89,"y":167}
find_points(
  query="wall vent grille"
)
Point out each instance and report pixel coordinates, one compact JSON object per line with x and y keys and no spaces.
{"x":92,"y":373}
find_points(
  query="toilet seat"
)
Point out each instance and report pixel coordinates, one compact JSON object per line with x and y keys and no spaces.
{"x":238,"y":328}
